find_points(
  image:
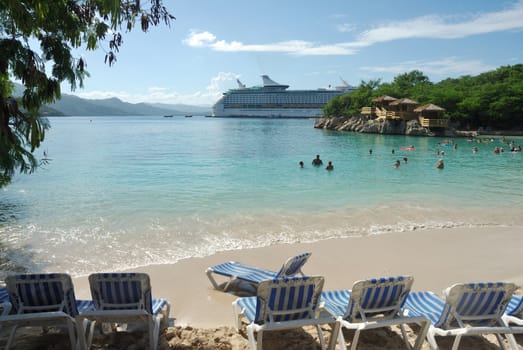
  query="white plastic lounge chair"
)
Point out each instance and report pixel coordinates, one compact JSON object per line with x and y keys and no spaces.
{"x":42,"y":300}
{"x":124,"y":298}
{"x":514,"y":311}
{"x":282,"y":304}
{"x":468,"y":309}
{"x":254,"y":275}
{"x":373,"y":303}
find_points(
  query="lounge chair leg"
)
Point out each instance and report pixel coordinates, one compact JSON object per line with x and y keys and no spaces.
{"x":421,"y":336}
{"x":211,"y":278}
{"x":320,"y":335}
{"x":11,"y":338}
{"x":455,"y":345}
{"x":334,"y":335}
{"x":341,"y":339}
{"x":511,"y":340}
{"x":432,"y":340}
{"x":250,"y":336}
{"x":354,"y":343}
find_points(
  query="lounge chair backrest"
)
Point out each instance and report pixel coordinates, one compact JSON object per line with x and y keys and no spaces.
{"x":288,"y":299}
{"x":293,"y":265}
{"x":377,"y":298}
{"x":475,"y":303}
{"x":31,"y":293}
{"x":121,"y":291}
{"x":515,"y":306}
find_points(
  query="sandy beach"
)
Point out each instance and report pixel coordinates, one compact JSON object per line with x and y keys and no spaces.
{"x":436,"y":259}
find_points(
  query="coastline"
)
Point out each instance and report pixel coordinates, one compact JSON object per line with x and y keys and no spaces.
{"x":437,"y":258}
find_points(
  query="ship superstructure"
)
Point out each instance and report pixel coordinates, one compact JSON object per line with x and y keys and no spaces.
{"x":273,"y":100}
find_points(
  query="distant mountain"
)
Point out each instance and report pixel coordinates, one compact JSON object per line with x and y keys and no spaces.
{"x":74,"y":105}
{"x":71,"y":105}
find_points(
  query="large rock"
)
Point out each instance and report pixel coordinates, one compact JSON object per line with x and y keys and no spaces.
{"x":373,"y":126}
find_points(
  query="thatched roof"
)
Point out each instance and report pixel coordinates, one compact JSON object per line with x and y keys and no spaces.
{"x":404,"y":101}
{"x":430,"y":107}
{"x":384,"y":98}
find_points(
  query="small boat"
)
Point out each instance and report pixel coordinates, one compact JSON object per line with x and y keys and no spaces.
{"x":168,"y":116}
{"x":188,"y":116}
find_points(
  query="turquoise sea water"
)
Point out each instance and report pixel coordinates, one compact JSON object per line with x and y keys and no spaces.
{"x":121,"y":192}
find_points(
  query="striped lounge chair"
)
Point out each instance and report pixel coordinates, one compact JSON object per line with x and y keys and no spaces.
{"x":124,"y":298}
{"x":373,"y":303}
{"x":254,"y":275}
{"x":43,"y":300}
{"x":282,"y":304}
{"x":514,"y":312}
{"x":467,"y":309}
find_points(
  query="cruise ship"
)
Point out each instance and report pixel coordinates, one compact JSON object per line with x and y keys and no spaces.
{"x":273,"y":100}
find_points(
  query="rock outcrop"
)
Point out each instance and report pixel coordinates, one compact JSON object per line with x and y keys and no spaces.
{"x":364,"y":124}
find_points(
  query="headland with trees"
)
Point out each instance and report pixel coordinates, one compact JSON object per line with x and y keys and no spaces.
{"x":491,"y":101}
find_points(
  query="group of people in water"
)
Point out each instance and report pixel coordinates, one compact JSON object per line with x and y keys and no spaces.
{"x":317,"y":162}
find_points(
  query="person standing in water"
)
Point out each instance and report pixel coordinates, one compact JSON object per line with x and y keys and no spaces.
{"x":329,"y":166}
{"x":317,"y":161}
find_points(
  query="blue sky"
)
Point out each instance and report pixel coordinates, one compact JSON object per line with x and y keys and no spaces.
{"x":305,"y":44}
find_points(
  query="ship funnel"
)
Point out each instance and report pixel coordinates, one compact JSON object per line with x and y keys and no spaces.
{"x":268,"y":81}
{"x":240,"y":84}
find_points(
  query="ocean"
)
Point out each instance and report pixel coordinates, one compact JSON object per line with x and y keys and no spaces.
{"x":123,"y":192}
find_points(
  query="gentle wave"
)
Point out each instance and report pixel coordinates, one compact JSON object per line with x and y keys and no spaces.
{"x":101,"y":245}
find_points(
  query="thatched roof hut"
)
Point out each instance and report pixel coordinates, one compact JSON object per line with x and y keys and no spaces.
{"x":403,"y":101}
{"x":429,"y":108}
{"x":384,"y":98}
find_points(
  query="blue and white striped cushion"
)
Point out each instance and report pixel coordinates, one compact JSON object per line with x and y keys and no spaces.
{"x":472,"y":300}
{"x":425,"y":304}
{"x":515,"y":306}
{"x":113,"y":290}
{"x":379,"y":296}
{"x":41,"y":290}
{"x":244,"y":272}
{"x":336,"y":301}
{"x":293,"y":265}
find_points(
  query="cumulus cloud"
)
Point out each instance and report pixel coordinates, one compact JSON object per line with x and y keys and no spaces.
{"x":156,"y":94}
{"x":427,"y":27}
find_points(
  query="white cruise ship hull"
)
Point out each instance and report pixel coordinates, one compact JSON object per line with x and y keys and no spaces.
{"x":267,"y":113}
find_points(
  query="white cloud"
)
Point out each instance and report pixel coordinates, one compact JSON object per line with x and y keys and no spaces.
{"x":345,"y":27}
{"x":156,"y":94}
{"x":450,"y":66}
{"x":199,"y":39}
{"x":427,"y":27}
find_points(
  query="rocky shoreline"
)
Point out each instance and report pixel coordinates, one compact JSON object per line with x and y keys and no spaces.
{"x":364,"y":124}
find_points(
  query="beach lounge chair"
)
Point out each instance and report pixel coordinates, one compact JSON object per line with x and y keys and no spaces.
{"x":254,"y":275}
{"x":124,"y":298}
{"x":467,"y":309}
{"x":285,"y":303}
{"x":43,"y":300}
{"x":514,"y":311}
{"x":373,"y":303}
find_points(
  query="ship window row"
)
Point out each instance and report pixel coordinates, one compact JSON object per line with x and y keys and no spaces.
{"x":277,"y":99}
{"x":273,"y":105}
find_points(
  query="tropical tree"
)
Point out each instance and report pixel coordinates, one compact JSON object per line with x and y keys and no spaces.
{"x":55,"y":28}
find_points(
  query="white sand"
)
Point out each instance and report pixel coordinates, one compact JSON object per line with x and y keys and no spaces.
{"x":436,"y":259}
